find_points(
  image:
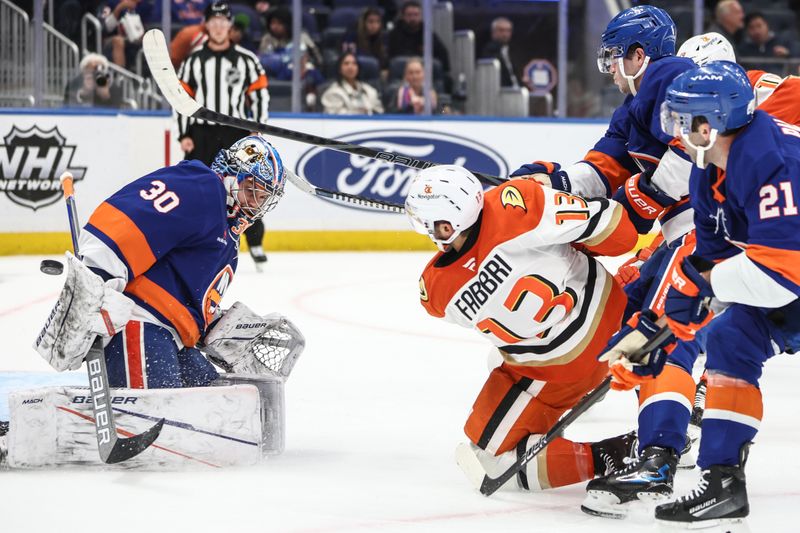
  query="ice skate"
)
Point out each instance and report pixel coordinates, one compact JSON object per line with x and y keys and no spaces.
{"x":647,"y":478}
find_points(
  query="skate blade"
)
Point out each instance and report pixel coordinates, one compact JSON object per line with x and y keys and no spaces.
{"x":727,"y":525}
{"x":607,"y":505}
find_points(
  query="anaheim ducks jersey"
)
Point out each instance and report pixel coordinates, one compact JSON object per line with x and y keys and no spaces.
{"x":775,"y":95}
{"x":519,"y":281}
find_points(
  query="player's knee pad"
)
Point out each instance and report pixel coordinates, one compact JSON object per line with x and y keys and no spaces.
{"x":244,"y":342}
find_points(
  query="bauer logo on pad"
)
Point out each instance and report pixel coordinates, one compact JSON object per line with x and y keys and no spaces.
{"x":381,"y":180}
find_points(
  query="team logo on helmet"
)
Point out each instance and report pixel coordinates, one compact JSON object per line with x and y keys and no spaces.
{"x":31,"y":162}
{"x":428,"y":189}
{"x":512,"y":197}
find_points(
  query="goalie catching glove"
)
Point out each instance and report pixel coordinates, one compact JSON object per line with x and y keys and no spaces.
{"x":627,"y":374}
{"x":246,"y":343}
{"x":87,"y":307}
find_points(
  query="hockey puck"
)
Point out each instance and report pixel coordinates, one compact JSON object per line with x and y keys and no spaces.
{"x":51,"y":267}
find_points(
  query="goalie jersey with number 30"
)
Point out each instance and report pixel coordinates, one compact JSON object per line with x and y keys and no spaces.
{"x":520,"y":282}
{"x":168,"y":236}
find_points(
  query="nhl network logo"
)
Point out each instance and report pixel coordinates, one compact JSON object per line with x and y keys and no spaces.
{"x":31,"y":162}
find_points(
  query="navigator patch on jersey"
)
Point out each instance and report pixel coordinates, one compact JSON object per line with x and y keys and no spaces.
{"x":512,"y":197}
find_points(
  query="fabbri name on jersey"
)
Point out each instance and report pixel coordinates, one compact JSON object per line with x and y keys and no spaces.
{"x":489,"y":278}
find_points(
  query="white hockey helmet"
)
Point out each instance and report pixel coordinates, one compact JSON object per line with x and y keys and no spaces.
{"x":444,"y":193}
{"x":706,"y":48}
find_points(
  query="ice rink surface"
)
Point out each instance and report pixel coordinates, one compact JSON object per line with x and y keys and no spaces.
{"x":375,"y":408}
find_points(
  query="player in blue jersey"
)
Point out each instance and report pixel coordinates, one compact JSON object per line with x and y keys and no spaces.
{"x":157,"y":257}
{"x":747,"y":252}
{"x":638,"y":50}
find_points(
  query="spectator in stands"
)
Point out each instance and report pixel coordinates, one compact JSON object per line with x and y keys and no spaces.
{"x":406,"y":38}
{"x":188,"y":11}
{"x":347,"y":95}
{"x":761,"y":42}
{"x":368,"y":38}
{"x":410,"y":96}
{"x":279,"y":66}
{"x":122,"y":30}
{"x":93,"y":87}
{"x":729,"y":21}
{"x":497,"y":48}
{"x":279,"y":35}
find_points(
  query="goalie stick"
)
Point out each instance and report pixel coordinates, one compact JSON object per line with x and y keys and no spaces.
{"x":158,"y":59}
{"x":112,"y":448}
{"x":471,"y":465}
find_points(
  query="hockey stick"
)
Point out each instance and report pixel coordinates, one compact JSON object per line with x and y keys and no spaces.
{"x":157,"y":54}
{"x":471,"y":465}
{"x":342,"y":197}
{"x":112,"y":448}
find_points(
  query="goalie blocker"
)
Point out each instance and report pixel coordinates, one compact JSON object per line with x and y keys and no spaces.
{"x":236,"y":421}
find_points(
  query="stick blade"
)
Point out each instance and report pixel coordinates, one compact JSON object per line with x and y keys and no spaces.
{"x":124,"y":449}
{"x":157,"y":55}
{"x":470,"y":465}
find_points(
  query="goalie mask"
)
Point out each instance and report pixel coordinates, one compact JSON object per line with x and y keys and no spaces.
{"x":444,"y":193}
{"x":254,"y":176}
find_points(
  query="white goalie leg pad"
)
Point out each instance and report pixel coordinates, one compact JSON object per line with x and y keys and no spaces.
{"x":85,"y":309}
{"x":205,"y":427}
{"x":246,"y":343}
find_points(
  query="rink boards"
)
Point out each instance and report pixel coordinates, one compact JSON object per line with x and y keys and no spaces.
{"x":105,"y":149}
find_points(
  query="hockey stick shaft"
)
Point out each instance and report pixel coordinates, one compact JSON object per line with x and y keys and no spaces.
{"x":341,"y":197}
{"x":157,"y":54}
{"x":489,"y":484}
{"x":111,"y":447}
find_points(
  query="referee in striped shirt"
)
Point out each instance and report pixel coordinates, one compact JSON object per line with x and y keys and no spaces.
{"x":229,"y":79}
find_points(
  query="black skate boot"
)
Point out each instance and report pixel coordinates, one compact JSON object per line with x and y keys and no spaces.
{"x":719,"y":498}
{"x":649,"y":477}
{"x":259,"y":257}
{"x":610,"y":454}
{"x":3,"y":428}
{"x":688,"y":458}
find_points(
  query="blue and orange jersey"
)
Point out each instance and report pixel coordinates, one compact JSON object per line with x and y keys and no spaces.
{"x":168,"y":235}
{"x":753,"y":207}
{"x":646,"y":141}
{"x":609,"y":156}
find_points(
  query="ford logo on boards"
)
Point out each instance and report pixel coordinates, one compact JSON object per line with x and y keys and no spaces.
{"x":380,"y":180}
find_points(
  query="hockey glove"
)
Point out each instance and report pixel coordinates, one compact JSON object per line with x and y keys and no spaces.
{"x":687,"y":303}
{"x":558,"y":179}
{"x":628,"y":272}
{"x":627,"y":374}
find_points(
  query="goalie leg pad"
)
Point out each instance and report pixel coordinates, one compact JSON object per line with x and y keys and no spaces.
{"x":85,"y":309}
{"x":205,"y":427}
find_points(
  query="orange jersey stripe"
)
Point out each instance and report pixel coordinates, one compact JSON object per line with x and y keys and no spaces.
{"x":166,"y":304}
{"x":782,"y":103}
{"x":614,"y":172}
{"x":260,"y":83}
{"x":784,"y":262}
{"x":619,"y":237}
{"x":187,"y":88}
{"x":672,"y":379}
{"x":744,"y":400}
{"x":130,"y":240}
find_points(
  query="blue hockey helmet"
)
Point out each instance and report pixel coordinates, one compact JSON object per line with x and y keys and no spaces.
{"x":717,"y":97}
{"x":648,"y":26}
{"x":254,"y":174}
